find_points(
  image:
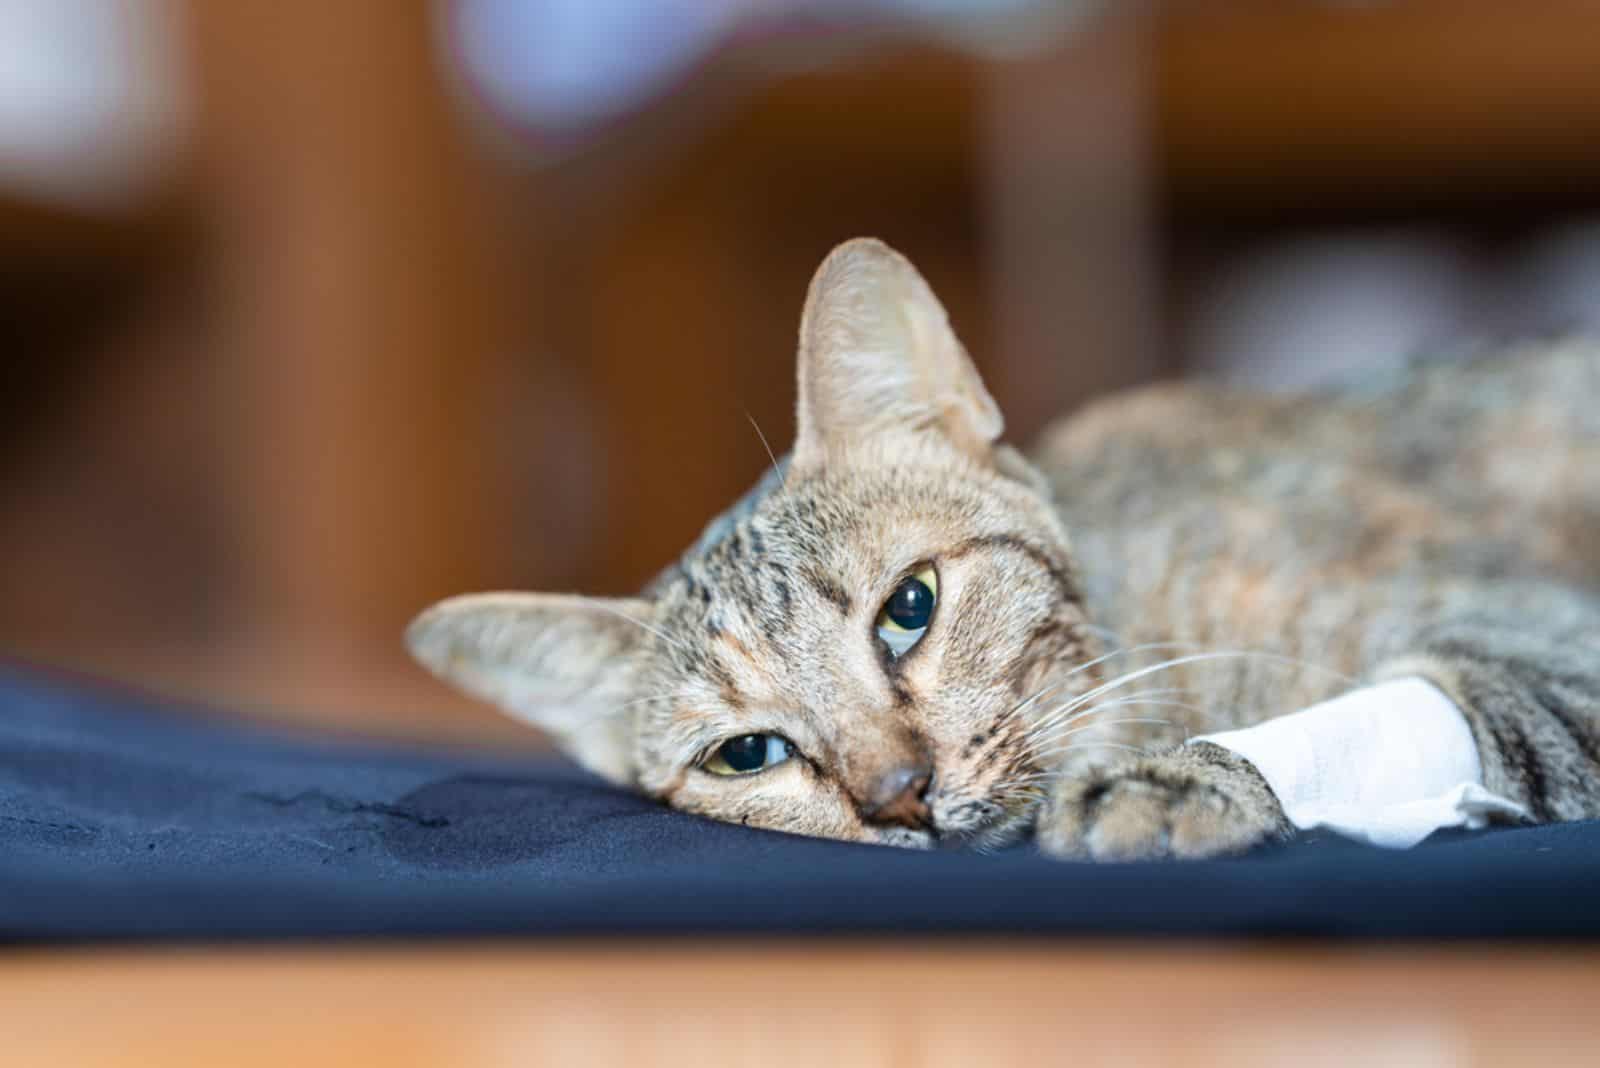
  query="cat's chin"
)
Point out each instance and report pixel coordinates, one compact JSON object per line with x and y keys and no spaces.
{"x":1016,"y":827}
{"x":1007,"y":831}
{"x":905,"y":838}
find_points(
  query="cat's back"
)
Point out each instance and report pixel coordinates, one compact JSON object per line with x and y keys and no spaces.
{"x":1482,"y":468}
{"x":1481,"y":427}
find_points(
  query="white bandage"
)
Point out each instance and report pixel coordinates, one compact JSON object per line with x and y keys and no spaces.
{"x":1387,"y":764}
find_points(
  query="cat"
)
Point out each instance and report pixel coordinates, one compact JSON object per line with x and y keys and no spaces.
{"x":910,"y":634}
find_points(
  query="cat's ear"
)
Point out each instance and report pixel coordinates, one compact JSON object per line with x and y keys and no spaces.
{"x":877,"y":356}
{"x":566,"y":664}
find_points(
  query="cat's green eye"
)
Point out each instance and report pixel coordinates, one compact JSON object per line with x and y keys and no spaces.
{"x":748,"y":754}
{"x":907,"y":612}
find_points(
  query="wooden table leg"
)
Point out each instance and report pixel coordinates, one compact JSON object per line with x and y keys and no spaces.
{"x":1073,"y":269}
{"x":359,"y":296}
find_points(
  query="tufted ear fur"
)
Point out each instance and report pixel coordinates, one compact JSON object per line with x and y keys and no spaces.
{"x":877,"y":356}
{"x":566,"y":664}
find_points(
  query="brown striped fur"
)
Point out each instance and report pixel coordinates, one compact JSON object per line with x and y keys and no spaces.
{"x":1445,"y":523}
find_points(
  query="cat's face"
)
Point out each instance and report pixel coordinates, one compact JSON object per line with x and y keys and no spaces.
{"x":854,"y":656}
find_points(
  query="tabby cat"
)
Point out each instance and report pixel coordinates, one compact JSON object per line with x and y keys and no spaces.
{"x":910,"y":634}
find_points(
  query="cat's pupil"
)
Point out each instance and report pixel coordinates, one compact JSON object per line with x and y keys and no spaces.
{"x":748,"y":753}
{"x":911,"y":605}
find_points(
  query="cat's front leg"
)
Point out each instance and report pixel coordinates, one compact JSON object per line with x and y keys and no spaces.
{"x":1198,"y":800}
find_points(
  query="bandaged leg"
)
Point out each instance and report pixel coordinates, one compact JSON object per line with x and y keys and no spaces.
{"x":1387,"y":764}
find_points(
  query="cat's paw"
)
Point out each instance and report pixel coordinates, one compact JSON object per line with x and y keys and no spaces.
{"x":1196,"y":801}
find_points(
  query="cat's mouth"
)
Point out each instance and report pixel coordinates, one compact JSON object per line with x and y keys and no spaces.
{"x":966,"y":823}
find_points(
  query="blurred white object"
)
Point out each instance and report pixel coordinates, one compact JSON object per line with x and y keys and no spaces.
{"x":563,"y":63}
{"x":91,"y":98}
{"x":557,"y":66}
{"x":1556,"y":287}
{"x":1323,"y":309}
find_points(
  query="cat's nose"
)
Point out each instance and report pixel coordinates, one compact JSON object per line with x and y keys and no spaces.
{"x":900,"y":796}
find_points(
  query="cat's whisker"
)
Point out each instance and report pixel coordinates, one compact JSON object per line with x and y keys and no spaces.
{"x":1047,"y":742}
{"x":1152,"y":703}
{"x":1163,"y":691}
{"x":1027,"y":702}
{"x":1176,"y":662}
{"x":1144,"y":648}
{"x":1072,"y":746}
{"x":1150,"y":697}
{"x":1223,"y":654}
{"x":1018,"y":787}
{"x":1021,"y":780}
{"x":1045,"y":730}
{"x":1089,"y":698}
{"x":1061,"y":683}
{"x":783,"y":479}
{"x":641,"y":624}
{"x":1065,"y":729}
{"x":1152,"y":646}
{"x":1021,"y":775}
{"x":1072,"y":711}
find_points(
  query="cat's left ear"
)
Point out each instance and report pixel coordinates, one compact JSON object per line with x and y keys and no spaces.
{"x":568,"y":665}
{"x":877,"y":356}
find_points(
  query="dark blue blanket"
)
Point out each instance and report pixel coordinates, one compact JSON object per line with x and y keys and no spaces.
{"x":119,"y":820}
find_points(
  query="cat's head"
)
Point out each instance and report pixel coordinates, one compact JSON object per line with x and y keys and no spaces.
{"x":850,"y":653}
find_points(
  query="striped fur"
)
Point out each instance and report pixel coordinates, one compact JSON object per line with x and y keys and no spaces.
{"x":1171,"y":562}
{"x":1445,"y":523}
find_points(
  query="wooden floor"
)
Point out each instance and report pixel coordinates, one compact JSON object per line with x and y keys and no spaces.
{"x":829,"y":1004}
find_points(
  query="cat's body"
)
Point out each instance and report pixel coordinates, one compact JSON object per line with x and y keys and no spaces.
{"x":1249,"y":555}
{"x":1443,"y":523}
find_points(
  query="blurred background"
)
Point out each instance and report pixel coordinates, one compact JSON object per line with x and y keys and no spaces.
{"x":319,"y":312}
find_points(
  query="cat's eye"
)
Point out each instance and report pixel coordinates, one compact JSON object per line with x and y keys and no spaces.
{"x":748,"y":754}
{"x":907,"y":612}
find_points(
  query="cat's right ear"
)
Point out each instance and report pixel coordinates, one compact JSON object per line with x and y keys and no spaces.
{"x":878,"y":356}
{"x":567,"y":664}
